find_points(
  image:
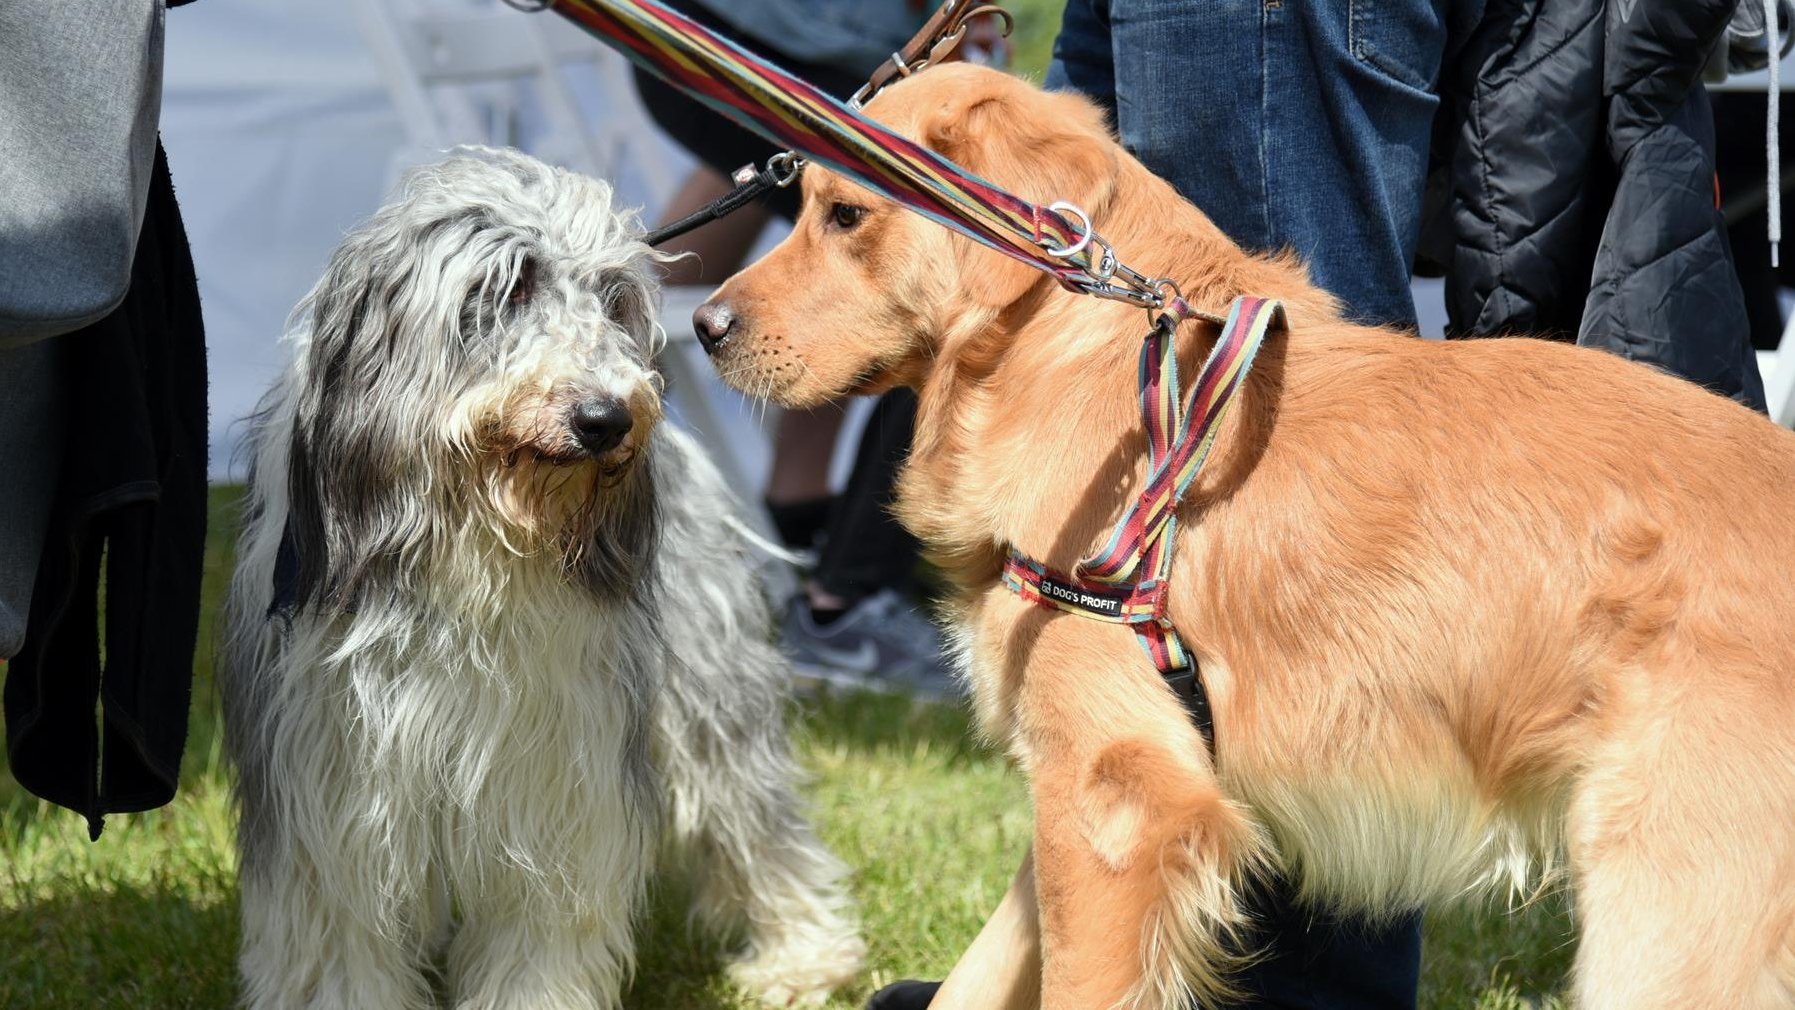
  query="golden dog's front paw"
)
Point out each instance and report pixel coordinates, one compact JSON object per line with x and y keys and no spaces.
{"x":1161,"y":825}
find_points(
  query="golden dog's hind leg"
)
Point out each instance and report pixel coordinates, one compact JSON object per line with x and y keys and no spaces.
{"x":1682,"y":843}
{"x":1002,"y":968}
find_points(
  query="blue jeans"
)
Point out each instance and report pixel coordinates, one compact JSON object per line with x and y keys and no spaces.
{"x":1294,"y":124}
{"x":1297,"y":125}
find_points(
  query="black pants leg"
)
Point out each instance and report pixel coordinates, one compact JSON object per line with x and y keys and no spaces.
{"x":1308,"y":961}
{"x":1319,"y":961}
{"x":867,"y":548}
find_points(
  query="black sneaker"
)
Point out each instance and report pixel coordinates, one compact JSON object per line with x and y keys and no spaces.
{"x":908,"y":994}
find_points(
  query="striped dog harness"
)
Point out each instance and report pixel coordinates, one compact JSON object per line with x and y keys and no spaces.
{"x":1125,"y":582}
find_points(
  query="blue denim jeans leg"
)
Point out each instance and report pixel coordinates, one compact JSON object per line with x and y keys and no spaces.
{"x":1294,"y":124}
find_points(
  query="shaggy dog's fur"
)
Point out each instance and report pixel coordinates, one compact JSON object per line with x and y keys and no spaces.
{"x":1465,"y":610}
{"x":494,"y":668}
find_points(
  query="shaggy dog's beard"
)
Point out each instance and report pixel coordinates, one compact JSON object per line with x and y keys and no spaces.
{"x":598,"y":516}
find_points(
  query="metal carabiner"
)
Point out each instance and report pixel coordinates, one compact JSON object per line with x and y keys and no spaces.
{"x":1105,"y":269}
{"x":784,"y":168}
{"x":944,"y":46}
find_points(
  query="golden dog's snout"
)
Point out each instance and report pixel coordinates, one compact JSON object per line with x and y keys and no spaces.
{"x":712,"y":322}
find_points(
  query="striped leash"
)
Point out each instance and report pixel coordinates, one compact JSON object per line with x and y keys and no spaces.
{"x":1058,"y":239}
{"x":935,"y":42}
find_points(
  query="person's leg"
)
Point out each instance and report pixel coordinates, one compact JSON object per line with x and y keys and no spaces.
{"x":1300,"y":126}
{"x":797,"y":493}
{"x":1307,"y":129}
{"x":868,"y":549}
{"x":857,"y":619}
{"x":1083,"y":58}
{"x":798,"y":497}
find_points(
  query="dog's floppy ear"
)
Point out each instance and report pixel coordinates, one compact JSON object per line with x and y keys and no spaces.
{"x":356,"y":510}
{"x":1041,"y":146}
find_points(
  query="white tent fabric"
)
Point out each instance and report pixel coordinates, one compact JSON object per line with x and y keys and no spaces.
{"x":279,"y":138}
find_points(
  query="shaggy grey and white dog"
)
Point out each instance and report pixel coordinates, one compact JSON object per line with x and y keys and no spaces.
{"x":495,"y":641}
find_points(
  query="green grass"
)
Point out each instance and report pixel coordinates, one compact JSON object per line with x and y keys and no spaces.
{"x":932,"y":824}
{"x":1037,"y":22}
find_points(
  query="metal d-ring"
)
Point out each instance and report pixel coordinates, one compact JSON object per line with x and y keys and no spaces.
{"x":1084,"y":239}
{"x":529,"y":6}
{"x":784,"y":168}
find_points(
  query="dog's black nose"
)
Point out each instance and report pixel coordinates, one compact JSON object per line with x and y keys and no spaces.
{"x":712,"y":322}
{"x":600,"y":424}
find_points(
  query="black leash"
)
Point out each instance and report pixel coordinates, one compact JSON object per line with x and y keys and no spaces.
{"x":751,"y":184}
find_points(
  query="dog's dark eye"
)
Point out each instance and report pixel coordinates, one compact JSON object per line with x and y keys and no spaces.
{"x":524,"y":287}
{"x":845,"y":215}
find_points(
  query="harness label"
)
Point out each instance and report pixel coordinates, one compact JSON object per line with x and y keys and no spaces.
{"x":1095,"y":600}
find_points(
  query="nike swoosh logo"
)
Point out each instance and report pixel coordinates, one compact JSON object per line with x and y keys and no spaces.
{"x":862,"y":660}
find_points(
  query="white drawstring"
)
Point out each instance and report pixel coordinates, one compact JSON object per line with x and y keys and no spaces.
{"x":1773,"y":188}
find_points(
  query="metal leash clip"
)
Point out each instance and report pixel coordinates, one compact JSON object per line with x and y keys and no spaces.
{"x":952,"y":31}
{"x":1107,"y":276}
{"x":784,"y":168}
{"x":945,"y":47}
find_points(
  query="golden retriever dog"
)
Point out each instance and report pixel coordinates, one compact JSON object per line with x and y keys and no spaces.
{"x":1467,"y":611}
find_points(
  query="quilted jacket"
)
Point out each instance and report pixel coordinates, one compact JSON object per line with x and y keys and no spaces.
{"x":1578,"y":144}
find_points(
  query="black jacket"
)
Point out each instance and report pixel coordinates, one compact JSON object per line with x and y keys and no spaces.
{"x":1578,"y":146}
{"x":132,"y":493}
